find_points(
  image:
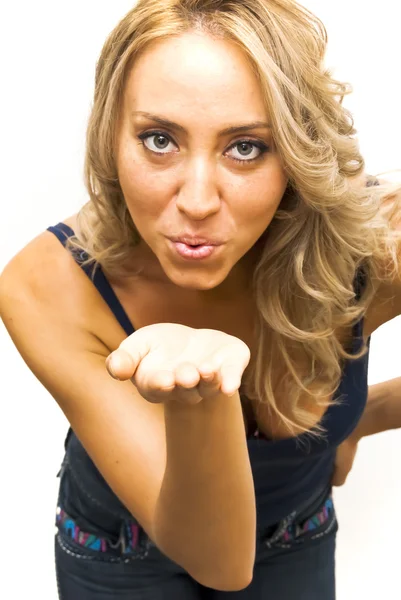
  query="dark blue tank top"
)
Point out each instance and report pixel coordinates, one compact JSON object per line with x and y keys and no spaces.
{"x":286,"y":472}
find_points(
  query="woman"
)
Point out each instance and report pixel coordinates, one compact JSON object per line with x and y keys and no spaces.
{"x":213,"y":366}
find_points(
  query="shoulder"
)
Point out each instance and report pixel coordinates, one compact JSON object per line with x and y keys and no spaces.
{"x":43,"y":278}
{"x":44,"y":270}
{"x":386,"y":304}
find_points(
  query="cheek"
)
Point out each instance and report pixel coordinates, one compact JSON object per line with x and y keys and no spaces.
{"x":145,"y":191}
{"x":259,"y":197}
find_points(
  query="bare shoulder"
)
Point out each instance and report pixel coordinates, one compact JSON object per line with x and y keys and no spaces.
{"x":386,"y":304}
{"x":45,"y":274}
{"x":64,"y":331}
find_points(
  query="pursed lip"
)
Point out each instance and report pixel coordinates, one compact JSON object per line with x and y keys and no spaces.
{"x":196,"y":241}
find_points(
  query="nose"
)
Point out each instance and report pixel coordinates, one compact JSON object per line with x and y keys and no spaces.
{"x":198,"y":195}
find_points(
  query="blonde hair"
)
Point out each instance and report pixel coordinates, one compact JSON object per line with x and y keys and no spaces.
{"x":326,"y":228}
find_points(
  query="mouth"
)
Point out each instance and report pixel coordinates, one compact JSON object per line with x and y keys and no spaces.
{"x":196,"y":241}
{"x":194,"y":251}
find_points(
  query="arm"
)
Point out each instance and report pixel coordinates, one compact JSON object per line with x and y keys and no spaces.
{"x":207,"y":492}
{"x":383,"y":409}
{"x":64,"y":333}
{"x":382,"y":412}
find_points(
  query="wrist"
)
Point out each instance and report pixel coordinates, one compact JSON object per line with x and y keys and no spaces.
{"x":205,"y":403}
{"x":207,"y":409}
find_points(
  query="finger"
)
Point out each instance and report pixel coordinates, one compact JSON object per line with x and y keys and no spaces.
{"x":210,"y":381}
{"x":208,"y":371}
{"x":187,"y":378}
{"x":231,"y":377}
{"x":156,"y":388}
{"x":120,"y":365}
{"x":179,"y":384}
{"x":186,"y":396}
{"x":186,"y":375}
{"x":234,"y":361}
{"x":123,"y":362}
{"x":160,"y":381}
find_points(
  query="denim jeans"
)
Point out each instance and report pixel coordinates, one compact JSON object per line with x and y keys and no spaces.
{"x":100,"y":556}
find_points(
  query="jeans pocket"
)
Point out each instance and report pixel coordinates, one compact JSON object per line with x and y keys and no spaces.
{"x":80,"y":531}
{"x":298,"y":529}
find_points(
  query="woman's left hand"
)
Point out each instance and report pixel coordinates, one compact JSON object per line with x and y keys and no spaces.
{"x":344,"y":460}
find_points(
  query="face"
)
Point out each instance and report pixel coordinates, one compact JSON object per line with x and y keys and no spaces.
{"x":186,"y":169}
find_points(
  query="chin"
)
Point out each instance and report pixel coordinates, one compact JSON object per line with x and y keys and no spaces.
{"x":195,"y":283}
{"x":219,"y":275}
{"x":196,"y":277}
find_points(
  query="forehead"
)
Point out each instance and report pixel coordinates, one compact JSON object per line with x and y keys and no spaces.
{"x":195,"y":74}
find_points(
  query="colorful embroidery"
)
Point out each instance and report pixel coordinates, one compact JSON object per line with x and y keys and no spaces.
{"x":127,"y":542}
{"x":130,"y":532}
{"x":293,"y":531}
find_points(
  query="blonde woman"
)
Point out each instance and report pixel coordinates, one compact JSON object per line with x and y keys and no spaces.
{"x":204,"y":320}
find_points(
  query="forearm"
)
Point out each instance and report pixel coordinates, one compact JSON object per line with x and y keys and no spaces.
{"x":383,"y":409}
{"x":206,"y":514}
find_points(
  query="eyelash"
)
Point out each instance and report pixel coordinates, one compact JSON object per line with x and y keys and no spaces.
{"x":262,"y":147}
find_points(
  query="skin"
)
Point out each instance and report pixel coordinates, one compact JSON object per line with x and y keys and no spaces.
{"x":194,"y":184}
{"x":191,"y":181}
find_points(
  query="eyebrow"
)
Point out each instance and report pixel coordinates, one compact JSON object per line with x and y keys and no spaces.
{"x":226,"y":131}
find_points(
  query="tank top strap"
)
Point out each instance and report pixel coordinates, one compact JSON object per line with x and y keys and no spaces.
{"x":97,"y":276}
{"x":63,"y":232}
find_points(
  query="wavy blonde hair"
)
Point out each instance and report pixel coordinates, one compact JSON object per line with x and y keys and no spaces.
{"x":326,"y":228}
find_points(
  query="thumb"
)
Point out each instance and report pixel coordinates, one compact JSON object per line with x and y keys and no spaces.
{"x":123,"y":362}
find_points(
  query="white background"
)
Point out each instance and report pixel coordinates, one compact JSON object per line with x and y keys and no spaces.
{"x":48,"y":54}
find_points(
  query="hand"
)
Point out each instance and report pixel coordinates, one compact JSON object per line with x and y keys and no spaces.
{"x":344,"y":460}
{"x":167,"y":361}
